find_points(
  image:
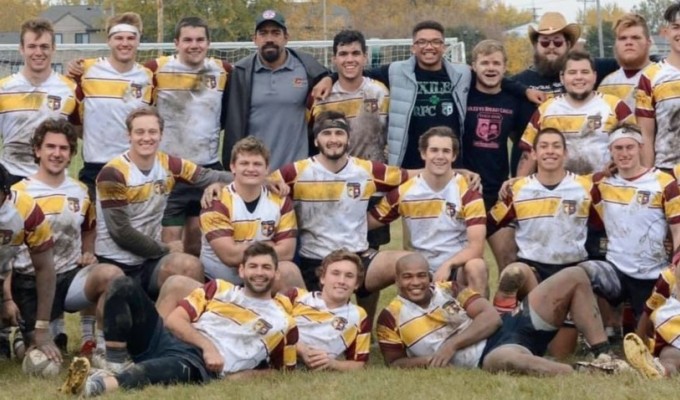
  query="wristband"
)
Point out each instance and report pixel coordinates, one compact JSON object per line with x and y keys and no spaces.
{"x":41,"y":324}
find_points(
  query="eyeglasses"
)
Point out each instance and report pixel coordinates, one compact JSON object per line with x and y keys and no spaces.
{"x":422,"y":43}
{"x":546,"y":42}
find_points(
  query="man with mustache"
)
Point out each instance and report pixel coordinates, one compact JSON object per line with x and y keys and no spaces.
{"x":267,"y":93}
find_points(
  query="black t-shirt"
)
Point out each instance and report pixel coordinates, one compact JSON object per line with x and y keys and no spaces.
{"x":434,"y":106}
{"x":490,"y":120}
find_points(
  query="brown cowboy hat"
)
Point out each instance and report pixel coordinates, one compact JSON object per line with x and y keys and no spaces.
{"x":554,"y":22}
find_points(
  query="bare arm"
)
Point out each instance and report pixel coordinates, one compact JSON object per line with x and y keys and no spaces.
{"x":399,"y":359}
{"x":179,"y":323}
{"x":675,"y":234}
{"x":648,"y":127}
{"x":45,"y":285}
{"x":475,"y":249}
{"x":526,"y":165}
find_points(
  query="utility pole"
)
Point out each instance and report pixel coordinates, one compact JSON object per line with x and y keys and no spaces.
{"x":159,"y":21}
{"x":600,"y":38}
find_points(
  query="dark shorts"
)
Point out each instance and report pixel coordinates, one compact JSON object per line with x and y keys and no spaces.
{"x":185,"y":201}
{"x":88,"y":175}
{"x":596,"y":244}
{"x":616,"y":287}
{"x":146,"y":274}
{"x":490,"y":200}
{"x":164,"y":344}
{"x":544,"y":271}
{"x":517,"y":329}
{"x":25,"y":295}
{"x":310,"y":269}
{"x":379,"y":236}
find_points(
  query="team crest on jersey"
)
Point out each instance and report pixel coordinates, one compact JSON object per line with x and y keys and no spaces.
{"x":73,"y":204}
{"x":261,"y":326}
{"x":643,"y":197}
{"x":452,"y":307}
{"x":159,"y":187}
{"x":5,"y":236}
{"x":210,"y":81}
{"x":447,"y":108}
{"x":569,"y":206}
{"x":53,"y":102}
{"x":267,"y":228}
{"x":136,"y":90}
{"x":593,"y":123}
{"x":339,"y":323}
{"x":353,"y":190}
{"x":451,"y":210}
{"x":371,"y":105}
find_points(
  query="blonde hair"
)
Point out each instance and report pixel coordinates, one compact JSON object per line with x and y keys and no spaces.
{"x":130,"y":18}
{"x":630,"y":20}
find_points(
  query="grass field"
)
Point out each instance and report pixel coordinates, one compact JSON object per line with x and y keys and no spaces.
{"x":375,"y":382}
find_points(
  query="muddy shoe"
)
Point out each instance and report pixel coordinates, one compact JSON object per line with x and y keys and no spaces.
{"x":78,"y":372}
{"x":639,"y":356}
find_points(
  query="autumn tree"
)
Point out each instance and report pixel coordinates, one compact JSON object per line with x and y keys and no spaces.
{"x":653,"y":11}
{"x":15,"y":12}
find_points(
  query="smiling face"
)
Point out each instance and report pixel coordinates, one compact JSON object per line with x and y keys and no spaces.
{"x":625,"y":153}
{"x":428,"y":48}
{"x":578,"y":79}
{"x":145,"y":136}
{"x":123,"y":46}
{"x":438,"y":155}
{"x":413,"y":281}
{"x":490,"y":69}
{"x":249,"y":169}
{"x":54,"y":153}
{"x":333,"y":143}
{"x":550,"y":152}
{"x":339,"y":281}
{"x":258,"y":274}
{"x":192,"y":46}
{"x":349,"y":61}
{"x":37,"y":52}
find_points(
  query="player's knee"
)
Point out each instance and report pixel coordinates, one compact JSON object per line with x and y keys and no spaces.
{"x":121,"y":286}
{"x":576,"y":275}
{"x":182,"y":264}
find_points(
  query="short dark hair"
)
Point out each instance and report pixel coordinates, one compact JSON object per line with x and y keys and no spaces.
{"x":55,"y":125}
{"x":141,"y":112}
{"x":577,"y":55}
{"x":346,"y":37}
{"x":39,"y":26}
{"x":260,"y":249}
{"x":547,"y":131}
{"x":441,"y":131}
{"x":193,"y":22}
{"x":429,"y":24}
{"x":671,"y":13}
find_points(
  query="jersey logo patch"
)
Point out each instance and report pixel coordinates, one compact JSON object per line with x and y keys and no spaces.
{"x":261,"y":326}
{"x":451,"y":210}
{"x":210,"y":81}
{"x":53,"y":102}
{"x":136,"y":90}
{"x":569,"y":206}
{"x":73,"y":204}
{"x":643,"y":197}
{"x":267,"y":228}
{"x":447,"y":108}
{"x":159,"y":187}
{"x":339,"y":323}
{"x":452,"y":307}
{"x":353,"y":190}
{"x":371,"y":105}
{"x":299,"y":82}
{"x":5,"y":236}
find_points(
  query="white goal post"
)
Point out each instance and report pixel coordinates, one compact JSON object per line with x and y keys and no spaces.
{"x":380,"y":51}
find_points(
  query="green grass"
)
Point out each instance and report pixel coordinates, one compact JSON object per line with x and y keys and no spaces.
{"x":375,"y":382}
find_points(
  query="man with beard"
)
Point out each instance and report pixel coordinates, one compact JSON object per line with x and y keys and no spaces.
{"x":584,"y":116}
{"x":267,"y":93}
{"x":219,"y":330}
{"x":657,"y":105}
{"x":631,"y":49}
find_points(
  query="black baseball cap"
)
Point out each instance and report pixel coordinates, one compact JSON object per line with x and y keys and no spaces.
{"x":270,"y":15}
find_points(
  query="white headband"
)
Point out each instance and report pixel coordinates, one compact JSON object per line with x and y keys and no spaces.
{"x":623,"y":133}
{"x":123,"y":28}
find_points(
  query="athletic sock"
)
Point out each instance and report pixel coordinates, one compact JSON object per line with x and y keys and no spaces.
{"x":57,"y":326}
{"x":101,"y":342}
{"x":600,"y":348}
{"x":87,"y":323}
{"x":504,"y":304}
{"x":116,"y":354}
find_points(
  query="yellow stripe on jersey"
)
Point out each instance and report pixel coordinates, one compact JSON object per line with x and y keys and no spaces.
{"x":621,"y":90}
{"x":669,"y":330}
{"x":657,"y":299}
{"x":537,"y":208}
{"x":350,"y":107}
{"x":623,"y":195}
{"x":272,"y":340}
{"x":564,"y":123}
{"x":349,"y":335}
{"x":105,"y":88}
{"x":319,"y":191}
{"x":245,"y":230}
{"x":232,"y":311}
{"x":21,"y":101}
{"x":667,"y":91}
{"x":418,"y":328}
{"x":51,"y":204}
{"x":421,"y":208}
{"x":184,"y":81}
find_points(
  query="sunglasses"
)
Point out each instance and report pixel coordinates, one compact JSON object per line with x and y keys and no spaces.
{"x":545,"y":43}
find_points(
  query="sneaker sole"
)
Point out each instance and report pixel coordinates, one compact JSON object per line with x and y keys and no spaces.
{"x":639,"y":357}
{"x":77,"y":376}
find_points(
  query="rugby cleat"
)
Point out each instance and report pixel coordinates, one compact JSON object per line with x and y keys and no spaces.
{"x":78,"y":372}
{"x":639,"y":356}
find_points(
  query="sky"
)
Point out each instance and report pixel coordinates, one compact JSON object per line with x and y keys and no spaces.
{"x":569,"y":8}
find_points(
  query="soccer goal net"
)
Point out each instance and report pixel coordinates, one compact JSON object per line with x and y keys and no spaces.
{"x":380,"y":51}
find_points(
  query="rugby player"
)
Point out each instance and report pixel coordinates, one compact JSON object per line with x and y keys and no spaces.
{"x":219,"y":330}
